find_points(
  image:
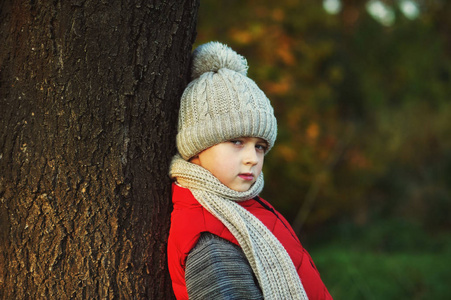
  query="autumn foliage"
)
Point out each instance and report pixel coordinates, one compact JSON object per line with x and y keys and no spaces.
{"x":363,"y":108}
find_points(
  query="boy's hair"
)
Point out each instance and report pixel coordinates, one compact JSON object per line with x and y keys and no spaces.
{"x":221,"y":103}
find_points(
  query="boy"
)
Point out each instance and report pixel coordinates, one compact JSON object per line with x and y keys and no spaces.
{"x":225,"y":242}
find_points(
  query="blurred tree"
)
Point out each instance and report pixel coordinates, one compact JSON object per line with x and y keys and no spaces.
{"x":363,"y":107}
{"x":89,"y":93}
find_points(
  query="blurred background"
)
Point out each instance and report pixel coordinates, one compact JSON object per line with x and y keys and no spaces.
{"x":362,"y":164}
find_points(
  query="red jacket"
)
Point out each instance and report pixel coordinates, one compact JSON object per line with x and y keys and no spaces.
{"x":189,"y":219}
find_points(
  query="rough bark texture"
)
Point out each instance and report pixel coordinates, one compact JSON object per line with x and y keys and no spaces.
{"x":89,"y":94}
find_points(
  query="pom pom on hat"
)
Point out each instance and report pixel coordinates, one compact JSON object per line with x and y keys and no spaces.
{"x":213,"y":56}
{"x":221,"y":103}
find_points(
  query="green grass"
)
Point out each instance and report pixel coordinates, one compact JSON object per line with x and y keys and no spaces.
{"x":363,"y":269}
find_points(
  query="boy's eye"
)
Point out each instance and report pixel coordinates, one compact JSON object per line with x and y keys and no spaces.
{"x":236,"y":142}
{"x":261,"y":147}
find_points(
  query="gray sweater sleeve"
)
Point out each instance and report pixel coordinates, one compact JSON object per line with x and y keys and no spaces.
{"x":218,"y":269}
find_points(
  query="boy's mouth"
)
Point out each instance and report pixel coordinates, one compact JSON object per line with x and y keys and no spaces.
{"x":246,"y":176}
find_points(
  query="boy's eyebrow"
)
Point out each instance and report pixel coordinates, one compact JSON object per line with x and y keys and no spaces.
{"x":263,"y":143}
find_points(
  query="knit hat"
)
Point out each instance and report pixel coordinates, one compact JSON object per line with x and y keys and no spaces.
{"x":221,"y":103}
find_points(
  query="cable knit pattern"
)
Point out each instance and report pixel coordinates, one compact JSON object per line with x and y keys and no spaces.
{"x":269,"y":260}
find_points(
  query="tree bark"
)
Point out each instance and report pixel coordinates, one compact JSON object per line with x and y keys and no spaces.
{"x":89,"y":95}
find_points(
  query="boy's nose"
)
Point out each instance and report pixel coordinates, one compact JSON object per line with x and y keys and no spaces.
{"x":250,"y":156}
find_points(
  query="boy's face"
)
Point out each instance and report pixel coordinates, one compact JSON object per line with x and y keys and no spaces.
{"x":236,"y":163}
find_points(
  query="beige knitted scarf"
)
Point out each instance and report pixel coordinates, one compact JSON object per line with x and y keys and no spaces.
{"x":269,"y":260}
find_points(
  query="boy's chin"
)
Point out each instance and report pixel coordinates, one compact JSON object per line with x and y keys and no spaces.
{"x":241,"y":187}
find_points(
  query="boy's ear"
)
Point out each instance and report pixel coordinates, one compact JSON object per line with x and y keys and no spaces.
{"x":195,"y":156}
{"x":195,"y":159}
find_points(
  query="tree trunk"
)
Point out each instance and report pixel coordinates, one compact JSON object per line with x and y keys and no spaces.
{"x":89,"y":94}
